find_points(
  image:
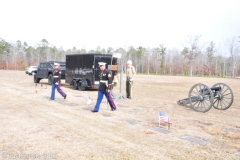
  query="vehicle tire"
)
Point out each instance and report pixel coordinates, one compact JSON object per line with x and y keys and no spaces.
{"x":81,"y":87}
{"x":74,"y":85}
{"x":33,"y":73}
{"x":35,"y":79}
{"x":50,"y":77}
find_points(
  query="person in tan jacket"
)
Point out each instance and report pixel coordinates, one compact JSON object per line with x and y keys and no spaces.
{"x":130,"y":73}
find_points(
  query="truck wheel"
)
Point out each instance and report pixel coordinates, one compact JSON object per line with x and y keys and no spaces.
{"x":80,"y":86}
{"x":50,"y":79}
{"x":35,"y":79}
{"x":74,"y":85}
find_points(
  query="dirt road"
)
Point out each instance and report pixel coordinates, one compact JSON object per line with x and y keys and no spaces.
{"x":32,"y":126}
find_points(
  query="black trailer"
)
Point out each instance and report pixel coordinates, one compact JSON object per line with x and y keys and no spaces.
{"x":82,"y":70}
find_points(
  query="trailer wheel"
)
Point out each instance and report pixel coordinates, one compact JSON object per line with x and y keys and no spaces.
{"x":74,"y":85}
{"x":81,"y":87}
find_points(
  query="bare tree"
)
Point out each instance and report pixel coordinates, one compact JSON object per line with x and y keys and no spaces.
{"x":98,"y":49}
{"x":173,"y":60}
{"x":209,"y":57}
{"x":131,"y":54}
{"x":30,"y":55}
{"x":162,"y":52}
{"x":155,"y":57}
{"x":5,"y":51}
{"x":233,"y":49}
{"x":192,"y":51}
{"x":83,"y":50}
{"x":91,"y":51}
{"x":43,"y":50}
{"x":148,"y":54}
{"x":109,"y":50}
{"x":103,"y":51}
{"x":139,"y":54}
{"x":54,"y":52}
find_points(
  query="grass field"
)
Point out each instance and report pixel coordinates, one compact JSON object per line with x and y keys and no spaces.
{"x":33,"y":127}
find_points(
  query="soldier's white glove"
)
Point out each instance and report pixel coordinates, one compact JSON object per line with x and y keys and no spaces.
{"x":131,"y":79}
{"x":56,"y":83}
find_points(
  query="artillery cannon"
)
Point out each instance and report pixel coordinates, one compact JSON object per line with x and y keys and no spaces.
{"x":202,"y":98}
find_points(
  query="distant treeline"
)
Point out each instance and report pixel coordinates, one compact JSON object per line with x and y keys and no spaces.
{"x":193,"y":59}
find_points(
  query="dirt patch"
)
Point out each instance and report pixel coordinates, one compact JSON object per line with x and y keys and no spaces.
{"x":31,"y":124}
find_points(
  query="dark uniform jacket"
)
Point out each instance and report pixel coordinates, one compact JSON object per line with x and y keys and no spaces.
{"x":56,"y":76}
{"x":105,"y":76}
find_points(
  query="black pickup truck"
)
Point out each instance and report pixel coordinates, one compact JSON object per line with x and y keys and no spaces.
{"x":45,"y":71}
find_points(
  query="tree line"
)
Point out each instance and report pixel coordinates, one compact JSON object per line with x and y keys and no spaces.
{"x":194,"y":59}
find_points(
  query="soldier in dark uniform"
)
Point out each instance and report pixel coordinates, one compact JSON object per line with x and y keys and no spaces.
{"x":104,"y":87}
{"x":56,"y":82}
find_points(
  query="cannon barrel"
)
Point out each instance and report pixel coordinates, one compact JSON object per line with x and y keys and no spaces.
{"x":218,"y":88}
{"x":215,"y":89}
{"x":202,"y":98}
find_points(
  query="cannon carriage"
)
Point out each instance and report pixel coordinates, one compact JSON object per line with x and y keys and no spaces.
{"x":201,"y":98}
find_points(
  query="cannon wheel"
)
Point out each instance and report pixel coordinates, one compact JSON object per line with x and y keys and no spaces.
{"x":200,"y":97}
{"x":223,"y":98}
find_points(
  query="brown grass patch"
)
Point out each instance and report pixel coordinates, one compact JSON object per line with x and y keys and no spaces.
{"x":30,"y":123}
{"x":216,"y":130}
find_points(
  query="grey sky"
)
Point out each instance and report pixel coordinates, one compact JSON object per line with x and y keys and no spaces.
{"x":119,"y":23}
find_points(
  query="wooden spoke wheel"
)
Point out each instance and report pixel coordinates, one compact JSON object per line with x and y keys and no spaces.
{"x":223,"y":98}
{"x":200,"y":97}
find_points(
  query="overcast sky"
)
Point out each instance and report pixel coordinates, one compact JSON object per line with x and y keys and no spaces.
{"x":118,"y":23}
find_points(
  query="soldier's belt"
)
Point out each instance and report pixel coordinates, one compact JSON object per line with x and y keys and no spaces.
{"x":106,"y":82}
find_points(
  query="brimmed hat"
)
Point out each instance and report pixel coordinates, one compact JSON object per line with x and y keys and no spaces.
{"x":101,"y":63}
{"x":129,"y":62}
